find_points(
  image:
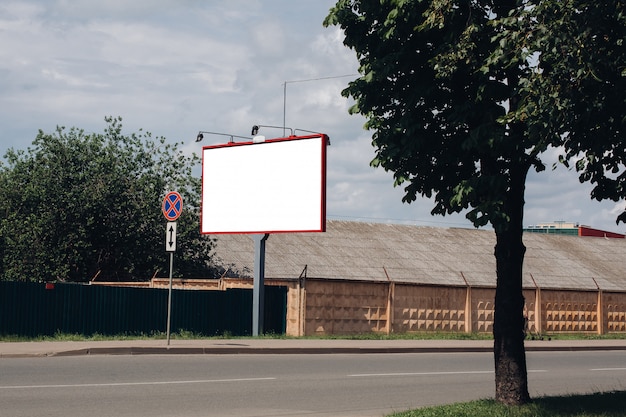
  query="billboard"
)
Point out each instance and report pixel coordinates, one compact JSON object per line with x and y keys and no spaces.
{"x":272,"y":186}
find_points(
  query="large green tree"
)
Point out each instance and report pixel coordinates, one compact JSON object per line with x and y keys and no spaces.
{"x":77,"y":206}
{"x":464,"y":98}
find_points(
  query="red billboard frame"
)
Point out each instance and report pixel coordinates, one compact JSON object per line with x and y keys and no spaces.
{"x":269,"y":186}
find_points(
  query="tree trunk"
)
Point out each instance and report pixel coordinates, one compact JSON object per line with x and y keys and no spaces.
{"x":508,"y":326}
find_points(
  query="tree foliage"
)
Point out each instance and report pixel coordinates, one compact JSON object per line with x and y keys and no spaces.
{"x":464,"y":98}
{"x":574,"y":97}
{"x":76,"y":206}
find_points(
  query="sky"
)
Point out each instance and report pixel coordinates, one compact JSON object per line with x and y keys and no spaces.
{"x":176,"y":67}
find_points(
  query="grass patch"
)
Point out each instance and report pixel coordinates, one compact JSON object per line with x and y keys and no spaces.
{"x":583,"y":336}
{"x":407,"y":336}
{"x":607,"y":404}
{"x":455,"y":336}
{"x":96,"y":337}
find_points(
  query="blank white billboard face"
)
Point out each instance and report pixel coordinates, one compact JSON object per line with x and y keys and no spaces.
{"x":270,"y":187}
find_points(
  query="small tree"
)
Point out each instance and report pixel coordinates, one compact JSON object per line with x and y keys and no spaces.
{"x":464,"y":97}
{"x":77,"y":206}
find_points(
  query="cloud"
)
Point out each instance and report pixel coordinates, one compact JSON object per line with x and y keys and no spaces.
{"x":268,"y":38}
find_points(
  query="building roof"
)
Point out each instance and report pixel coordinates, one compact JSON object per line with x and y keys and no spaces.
{"x":427,"y":255}
{"x":565,"y":228}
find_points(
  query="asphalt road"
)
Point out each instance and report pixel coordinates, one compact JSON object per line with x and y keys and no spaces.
{"x":281,"y":385}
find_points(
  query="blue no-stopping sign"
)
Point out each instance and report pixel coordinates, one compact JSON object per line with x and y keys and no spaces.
{"x":172,"y":206}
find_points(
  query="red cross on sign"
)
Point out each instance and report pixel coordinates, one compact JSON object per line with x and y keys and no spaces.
{"x":172,"y":206}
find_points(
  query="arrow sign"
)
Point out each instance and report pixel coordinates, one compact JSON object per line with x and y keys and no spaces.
{"x":170,"y":237}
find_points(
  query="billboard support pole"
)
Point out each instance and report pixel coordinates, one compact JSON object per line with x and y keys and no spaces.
{"x":258,"y":291}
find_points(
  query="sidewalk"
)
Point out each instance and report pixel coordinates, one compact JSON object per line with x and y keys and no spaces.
{"x":283,"y":346}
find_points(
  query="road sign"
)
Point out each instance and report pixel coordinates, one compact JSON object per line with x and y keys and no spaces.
{"x":172,"y":206}
{"x":170,"y":237}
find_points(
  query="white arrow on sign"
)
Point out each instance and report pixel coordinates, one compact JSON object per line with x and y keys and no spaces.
{"x":170,"y":237}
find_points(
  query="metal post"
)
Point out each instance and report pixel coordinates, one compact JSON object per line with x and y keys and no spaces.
{"x":258,"y":291}
{"x":169,"y":299}
{"x":284,"y":106}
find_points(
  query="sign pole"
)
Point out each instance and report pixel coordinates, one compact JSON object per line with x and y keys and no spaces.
{"x":169,"y":298}
{"x":172,"y":208}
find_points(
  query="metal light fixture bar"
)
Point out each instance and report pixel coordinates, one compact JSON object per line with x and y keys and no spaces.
{"x":201,"y":136}
{"x":255,"y":129}
{"x":307,"y":131}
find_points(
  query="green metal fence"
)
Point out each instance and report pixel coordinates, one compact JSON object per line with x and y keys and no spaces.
{"x":38,"y":309}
